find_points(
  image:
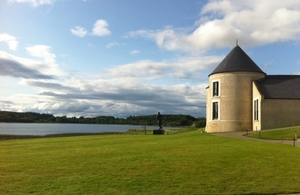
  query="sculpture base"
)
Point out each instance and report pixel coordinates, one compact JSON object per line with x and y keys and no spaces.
{"x":158,"y":132}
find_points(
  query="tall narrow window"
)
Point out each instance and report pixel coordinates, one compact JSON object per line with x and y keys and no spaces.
{"x":256,"y":110}
{"x":216,"y":88}
{"x":215,"y":111}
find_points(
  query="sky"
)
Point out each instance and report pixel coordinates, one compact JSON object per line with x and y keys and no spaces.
{"x":135,"y":57}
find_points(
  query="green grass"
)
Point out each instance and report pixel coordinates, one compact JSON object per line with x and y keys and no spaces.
{"x":277,"y":134}
{"x":167,"y":131}
{"x":183,"y":163}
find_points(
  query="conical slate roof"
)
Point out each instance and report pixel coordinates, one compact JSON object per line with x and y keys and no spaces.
{"x":236,"y":61}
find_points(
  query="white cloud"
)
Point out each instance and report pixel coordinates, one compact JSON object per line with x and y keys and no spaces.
{"x":134,"y":52}
{"x":49,"y":64}
{"x":11,"y":41}
{"x":79,"y":31}
{"x":35,"y":3}
{"x":42,"y":51}
{"x":181,"y":68}
{"x":46,"y":60}
{"x":100,"y":28}
{"x":253,"y":22}
{"x":113,"y":44}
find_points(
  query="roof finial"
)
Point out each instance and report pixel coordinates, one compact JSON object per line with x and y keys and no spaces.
{"x":237,"y":42}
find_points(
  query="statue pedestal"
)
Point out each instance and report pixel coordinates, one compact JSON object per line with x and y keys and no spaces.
{"x":158,"y":132}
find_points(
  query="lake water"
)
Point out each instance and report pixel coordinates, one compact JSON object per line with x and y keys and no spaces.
{"x":50,"y":128}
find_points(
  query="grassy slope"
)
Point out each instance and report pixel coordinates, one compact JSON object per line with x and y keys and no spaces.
{"x":188,"y":163}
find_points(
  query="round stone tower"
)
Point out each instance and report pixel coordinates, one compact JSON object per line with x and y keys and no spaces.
{"x":229,"y":94}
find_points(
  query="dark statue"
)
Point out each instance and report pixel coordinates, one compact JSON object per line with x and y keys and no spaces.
{"x":159,"y":120}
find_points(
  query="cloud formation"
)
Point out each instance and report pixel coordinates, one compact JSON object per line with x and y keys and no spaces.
{"x":190,"y":68}
{"x":224,"y":21}
{"x":49,"y":64}
{"x":15,"y":69}
{"x":123,"y":90}
{"x":20,"y":67}
{"x":10,"y":40}
{"x":43,"y":67}
{"x":134,"y":52}
{"x":35,"y":3}
{"x":112,"y":44}
{"x":109,"y":97}
{"x":100,"y":28}
{"x":79,"y":31}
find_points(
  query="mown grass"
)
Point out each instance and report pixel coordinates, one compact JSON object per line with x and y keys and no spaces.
{"x":183,"y":163}
{"x":167,"y":131}
{"x":278,"y":134}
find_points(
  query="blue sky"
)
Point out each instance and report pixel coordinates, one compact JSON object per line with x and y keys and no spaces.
{"x":134,"y":57}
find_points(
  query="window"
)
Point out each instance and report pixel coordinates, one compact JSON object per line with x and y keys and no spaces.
{"x":256,"y":110}
{"x":216,"y":88}
{"x":215,"y":111}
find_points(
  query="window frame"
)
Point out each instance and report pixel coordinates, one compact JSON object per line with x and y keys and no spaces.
{"x":216,"y":92}
{"x":256,"y":109}
{"x":215,"y":111}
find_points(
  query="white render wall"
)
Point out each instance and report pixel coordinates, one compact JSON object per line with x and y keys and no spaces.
{"x":256,"y":126}
{"x":235,"y":101}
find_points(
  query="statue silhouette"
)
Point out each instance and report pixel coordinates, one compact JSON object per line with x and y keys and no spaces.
{"x":159,"y":120}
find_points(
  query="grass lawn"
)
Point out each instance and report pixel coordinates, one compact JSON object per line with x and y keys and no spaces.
{"x":183,"y":163}
{"x":278,"y":134}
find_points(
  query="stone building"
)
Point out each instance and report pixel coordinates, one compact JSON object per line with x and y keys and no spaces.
{"x":241,"y":97}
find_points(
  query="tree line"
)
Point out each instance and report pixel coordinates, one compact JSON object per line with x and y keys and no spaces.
{"x":168,"y":119}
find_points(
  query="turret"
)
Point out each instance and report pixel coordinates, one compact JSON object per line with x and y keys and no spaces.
{"x":229,"y":94}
